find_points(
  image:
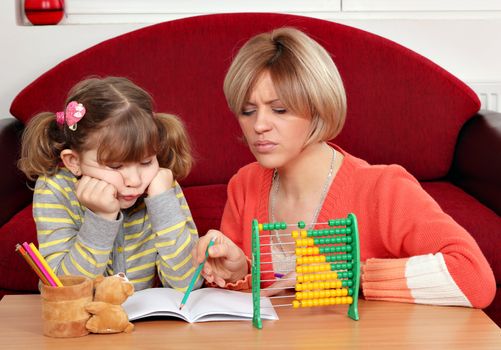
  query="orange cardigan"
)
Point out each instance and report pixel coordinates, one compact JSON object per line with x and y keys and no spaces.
{"x":412,"y":251}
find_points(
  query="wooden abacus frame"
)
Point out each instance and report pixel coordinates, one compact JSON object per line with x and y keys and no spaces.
{"x":335,"y":249}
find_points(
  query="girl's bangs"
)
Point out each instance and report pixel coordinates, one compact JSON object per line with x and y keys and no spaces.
{"x":128,"y":139}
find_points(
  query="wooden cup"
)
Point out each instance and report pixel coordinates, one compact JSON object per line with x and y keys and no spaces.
{"x":63,"y":308}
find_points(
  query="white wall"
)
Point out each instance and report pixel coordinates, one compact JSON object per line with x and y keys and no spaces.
{"x":466,"y":43}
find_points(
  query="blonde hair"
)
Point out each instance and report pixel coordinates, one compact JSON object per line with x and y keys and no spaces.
{"x":119,"y":119}
{"x":303,"y":73}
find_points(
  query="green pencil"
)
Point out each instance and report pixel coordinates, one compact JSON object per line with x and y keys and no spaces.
{"x":196,"y":274}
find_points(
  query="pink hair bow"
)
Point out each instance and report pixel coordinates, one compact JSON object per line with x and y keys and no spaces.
{"x":74,"y":112}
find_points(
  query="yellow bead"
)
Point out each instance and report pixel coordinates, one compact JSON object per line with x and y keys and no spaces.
{"x":295,"y":234}
{"x":299,"y":287}
{"x":304,"y":233}
{"x":295,"y":304}
{"x":260,"y":227}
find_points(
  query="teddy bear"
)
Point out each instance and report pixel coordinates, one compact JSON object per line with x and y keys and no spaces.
{"x":107,"y":314}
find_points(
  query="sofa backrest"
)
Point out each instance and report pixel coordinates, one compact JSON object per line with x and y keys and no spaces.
{"x":402,"y":108}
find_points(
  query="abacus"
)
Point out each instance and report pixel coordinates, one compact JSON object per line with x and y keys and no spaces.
{"x":327,"y":264}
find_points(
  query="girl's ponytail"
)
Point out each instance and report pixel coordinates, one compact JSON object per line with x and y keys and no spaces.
{"x":41,"y":146}
{"x":175,"y":149}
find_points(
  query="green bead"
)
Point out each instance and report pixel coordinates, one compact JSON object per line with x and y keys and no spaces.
{"x":283,"y":225}
{"x":301,"y":224}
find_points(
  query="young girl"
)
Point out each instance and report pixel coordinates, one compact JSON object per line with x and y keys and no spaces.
{"x":106,"y":198}
{"x":289,"y":100}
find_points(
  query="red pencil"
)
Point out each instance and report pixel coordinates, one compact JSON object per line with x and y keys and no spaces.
{"x":34,"y":267}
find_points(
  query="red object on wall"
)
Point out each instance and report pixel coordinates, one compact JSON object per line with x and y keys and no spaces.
{"x":44,"y":12}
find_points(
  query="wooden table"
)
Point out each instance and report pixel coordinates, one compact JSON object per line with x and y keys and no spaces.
{"x":382,"y":325}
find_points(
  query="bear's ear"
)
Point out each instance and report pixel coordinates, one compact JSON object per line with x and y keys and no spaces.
{"x":98,"y":280}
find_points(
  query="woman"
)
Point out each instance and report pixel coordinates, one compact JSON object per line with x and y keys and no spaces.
{"x":289,"y":100}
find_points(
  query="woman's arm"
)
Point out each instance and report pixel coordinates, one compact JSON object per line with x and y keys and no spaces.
{"x":436,"y":260}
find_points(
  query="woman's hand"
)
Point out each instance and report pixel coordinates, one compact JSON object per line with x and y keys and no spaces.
{"x":285,"y":284}
{"x":98,"y":196}
{"x":161,"y":182}
{"x":226,"y":261}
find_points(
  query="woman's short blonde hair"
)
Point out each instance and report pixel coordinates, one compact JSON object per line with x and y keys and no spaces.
{"x":304,"y":75}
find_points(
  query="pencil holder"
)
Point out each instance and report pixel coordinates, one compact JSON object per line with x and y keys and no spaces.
{"x":63,"y":308}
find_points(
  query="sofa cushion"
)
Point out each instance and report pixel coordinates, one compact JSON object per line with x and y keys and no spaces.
{"x":206,"y":205}
{"x":482,"y":223}
{"x":16,"y":273}
{"x":402,"y":108}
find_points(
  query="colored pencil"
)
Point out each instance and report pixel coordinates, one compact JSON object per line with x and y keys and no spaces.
{"x":39,"y":264}
{"x":32,"y":264}
{"x":196,"y":274}
{"x":46,"y":265}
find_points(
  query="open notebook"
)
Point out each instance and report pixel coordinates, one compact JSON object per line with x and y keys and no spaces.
{"x":203,"y":305}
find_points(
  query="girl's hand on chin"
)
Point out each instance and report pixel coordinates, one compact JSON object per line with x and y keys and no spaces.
{"x":161,"y":182}
{"x":98,"y":196}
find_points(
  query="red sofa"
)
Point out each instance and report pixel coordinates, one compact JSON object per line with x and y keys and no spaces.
{"x":402,"y":108}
